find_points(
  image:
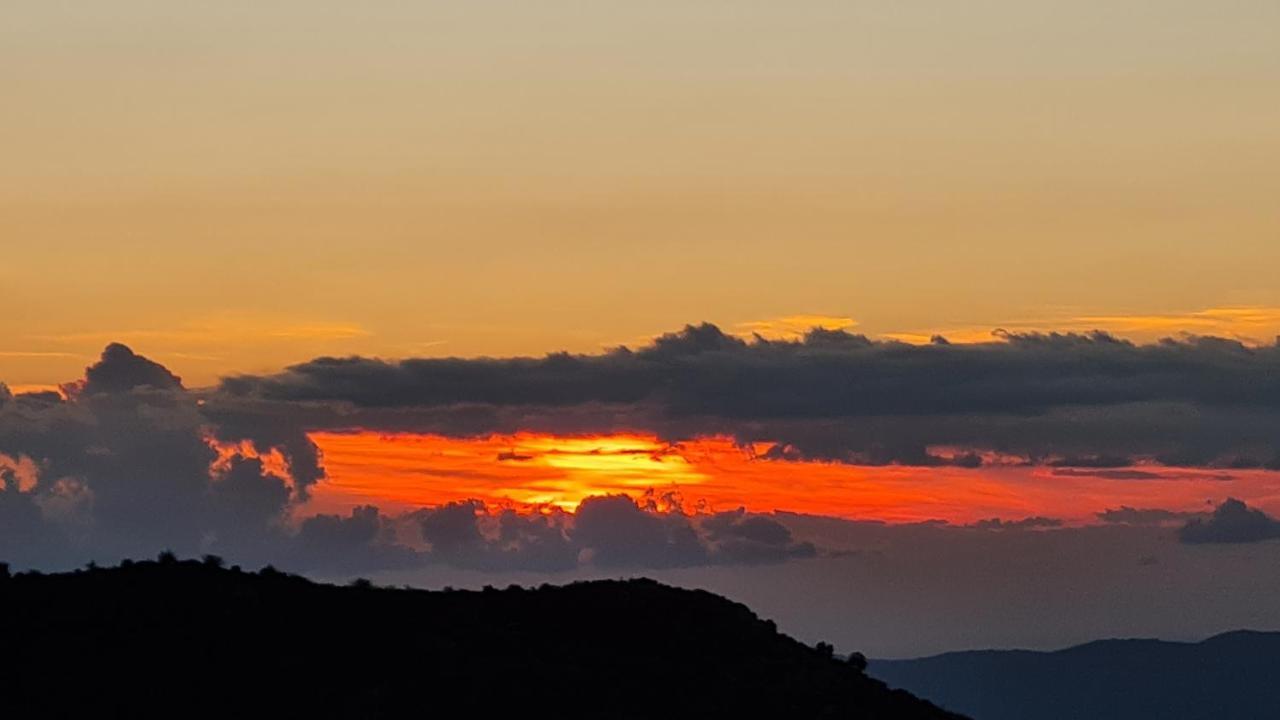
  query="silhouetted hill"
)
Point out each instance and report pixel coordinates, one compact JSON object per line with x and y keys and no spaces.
{"x":185,"y":639}
{"x":1235,"y":675}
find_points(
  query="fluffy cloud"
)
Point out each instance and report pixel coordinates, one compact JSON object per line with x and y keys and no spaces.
{"x":1231,"y":522}
{"x":610,"y":531}
{"x":1068,"y":400}
{"x":130,"y":462}
{"x":738,"y":537}
{"x":120,"y":370}
{"x":124,"y":466}
{"x":361,"y":541}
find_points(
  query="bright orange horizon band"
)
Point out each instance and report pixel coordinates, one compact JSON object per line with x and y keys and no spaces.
{"x":400,"y":472}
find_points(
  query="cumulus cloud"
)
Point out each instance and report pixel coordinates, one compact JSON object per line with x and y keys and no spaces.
{"x":608,"y":531}
{"x":1069,"y":400}
{"x":739,"y":537}
{"x":361,"y":541}
{"x":130,"y":463}
{"x":126,"y":465}
{"x":120,"y":370}
{"x":1231,"y":522}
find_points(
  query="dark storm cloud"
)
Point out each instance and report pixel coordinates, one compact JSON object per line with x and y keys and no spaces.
{"x":1069,"y":400}
{"x":1231,"y":522}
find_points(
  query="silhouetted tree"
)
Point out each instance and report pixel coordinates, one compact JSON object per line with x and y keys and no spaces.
{"x":825,"y":649}
{"x":857,"y":661}
{"x":4,"y":571}
{"x":167,"y":558}
{"x":362,"y":583}
{"x":212,"y":561}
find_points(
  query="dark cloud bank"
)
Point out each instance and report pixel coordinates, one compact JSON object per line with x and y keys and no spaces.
{"x":1085,"y":401}
{"x":121,"y":466}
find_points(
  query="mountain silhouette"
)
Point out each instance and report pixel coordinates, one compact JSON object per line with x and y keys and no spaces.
{"x":1234,"y":675}
{"x":193,"y":639}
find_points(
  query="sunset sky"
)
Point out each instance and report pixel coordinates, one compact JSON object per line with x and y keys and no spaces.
{"x":392,"y":249}
{"x":241,"y":185}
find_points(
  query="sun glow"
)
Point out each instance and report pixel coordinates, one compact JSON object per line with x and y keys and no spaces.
{"x":529,"y":470}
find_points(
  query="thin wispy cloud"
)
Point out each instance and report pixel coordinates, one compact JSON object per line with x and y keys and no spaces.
{"x":215,"y":331}
{"x":35,"y":354}
{"x":1253,"y":325}
{"x":792,"y":327}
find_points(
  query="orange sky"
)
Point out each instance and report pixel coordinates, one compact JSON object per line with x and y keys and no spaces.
{"x":404,"y":472}
{"x":232,"y":187}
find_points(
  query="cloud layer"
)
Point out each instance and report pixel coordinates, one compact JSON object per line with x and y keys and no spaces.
{"x":1085,"y":400}
{"x":127,"y":460}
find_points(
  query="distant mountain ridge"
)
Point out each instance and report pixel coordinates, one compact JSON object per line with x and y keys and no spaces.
{"x":1232,"y":676}
{"x":190,"y":639}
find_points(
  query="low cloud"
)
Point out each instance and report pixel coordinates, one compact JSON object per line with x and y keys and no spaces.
{"x":1231,"y":522}
{"x":129,"y":462}
{"x":1030,"y":523}
{"x":1125,"y":515}
{"x":1087,"y":402}
{"x":125,"y":465}
{"x":608,"y":531}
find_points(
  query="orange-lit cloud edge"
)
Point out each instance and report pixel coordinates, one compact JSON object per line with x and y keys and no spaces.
{"x":533,"y":472}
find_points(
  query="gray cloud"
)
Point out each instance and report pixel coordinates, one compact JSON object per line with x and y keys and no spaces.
{"x":1126,"y":515}
{"x":611,"y":531}
{"x":363,"y":540}
{"x":1068,"y":400}
{"x":120,"y":370}
{"x":124,"y":467}
{"x":1231,"y":522}
{"x":124,"y":461}
{"x":742,"y":538}
{"x":1029,"y":523}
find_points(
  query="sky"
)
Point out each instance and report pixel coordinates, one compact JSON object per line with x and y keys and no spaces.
{"x":237,"y":186}
{"x":899,"y":302}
